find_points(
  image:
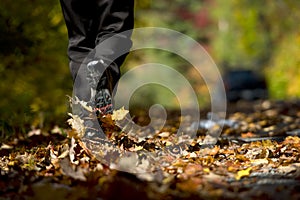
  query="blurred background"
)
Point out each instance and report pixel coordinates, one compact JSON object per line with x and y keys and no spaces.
{"x":261,"y":36}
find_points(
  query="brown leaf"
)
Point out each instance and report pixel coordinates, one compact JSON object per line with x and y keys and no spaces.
{"x":191,"y":185}
{"x":192,"y":170}
{"x":248,"y":135}
{"x":260,"y":161}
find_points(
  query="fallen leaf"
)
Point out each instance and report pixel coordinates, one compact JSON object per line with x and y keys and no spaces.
{"x":243,"y":173}
{"x":192,"y":169}
{"x":107,"y":123}
{"x":291,"y":140}
{"x":248,"y":135}
{"x":192,"y":155}
{"x":261,"y":161}
{"x":35,"y":132}
{"x":206,"y":170}
{"x":191,"y":185}
{"x":267,"y":143}
{"x":77,"y":125}
{"x":72,"y":152}
{"x":57,"y":130}
{"x":119,"y":114}
{"x":286,"y":169}
{"x":214,"y":151}
{"x":5,"y":146}
{"x":65,"y":151}
{"x":164,"y":134}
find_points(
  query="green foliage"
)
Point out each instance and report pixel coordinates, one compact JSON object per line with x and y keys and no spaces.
{"x":284,"y":70}
{"x":166,"y":14}
{"x":241,"y":38}
{"x":34,"y":66}
{"x":260,"y":34}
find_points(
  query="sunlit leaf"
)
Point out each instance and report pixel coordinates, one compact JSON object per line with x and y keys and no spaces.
{"x":119,"y":114}
{"x":243,"y":173}
{"x":77,"y":124}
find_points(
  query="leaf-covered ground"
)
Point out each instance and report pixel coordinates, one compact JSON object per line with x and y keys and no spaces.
{"x":257,"y":157}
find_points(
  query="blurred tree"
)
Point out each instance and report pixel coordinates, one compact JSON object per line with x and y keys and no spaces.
{"x":34,"y":70}
{"x":283,"y":72}
{"x":241,"y":38}
{"x":260,"y":34}
{"x":176,"y":15}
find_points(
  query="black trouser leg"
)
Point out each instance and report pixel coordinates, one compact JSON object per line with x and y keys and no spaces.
{"x":90,"y":22}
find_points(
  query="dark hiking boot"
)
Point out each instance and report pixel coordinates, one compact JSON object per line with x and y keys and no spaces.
{"x":100,"y":81}
{"x":101,"y":85}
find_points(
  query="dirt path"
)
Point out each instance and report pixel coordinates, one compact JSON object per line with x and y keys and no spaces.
{"x":255,"y":158}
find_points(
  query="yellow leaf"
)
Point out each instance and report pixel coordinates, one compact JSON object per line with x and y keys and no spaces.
{"x":243,"y":173}
{"x":207,"y":170}
{"x":137,"y":148}
{"x":119,"y":114}
{"x":11,"y":163}
{"x":267,"y":143}
{"x":168,"y":143}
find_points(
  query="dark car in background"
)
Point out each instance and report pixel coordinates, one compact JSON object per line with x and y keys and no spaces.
{"x":244,"y":85}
